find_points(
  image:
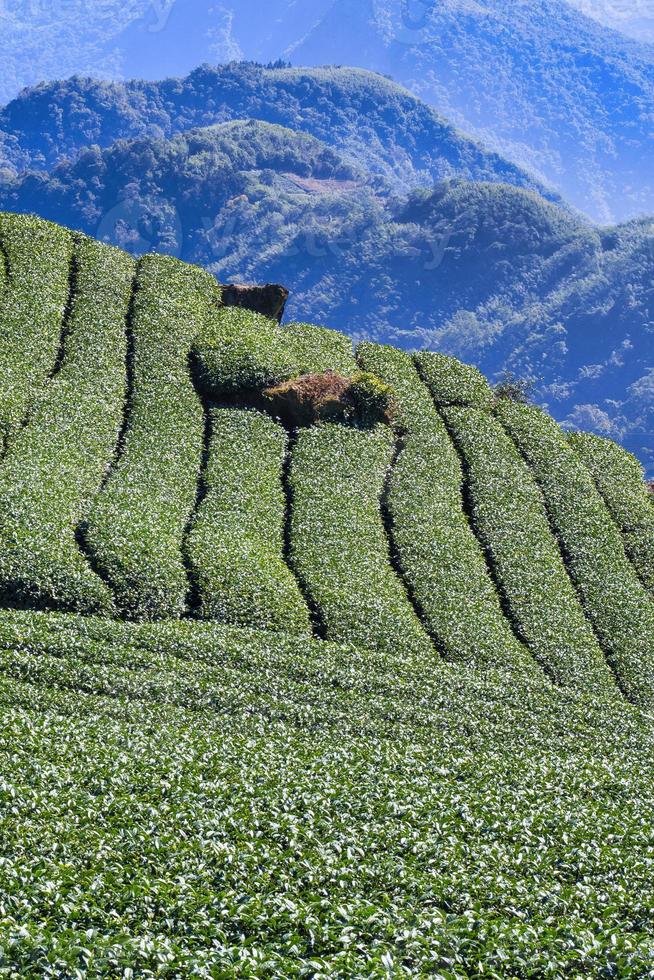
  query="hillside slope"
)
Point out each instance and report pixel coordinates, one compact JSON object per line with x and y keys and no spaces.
{"x":490,"y":273}
{"x":147,"y":475}
{"x":541,"y":83}
{"x":372,"y":122}
{"x":332,"y":698}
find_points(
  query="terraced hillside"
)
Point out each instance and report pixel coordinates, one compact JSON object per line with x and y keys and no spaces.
{"x":368,"y":696}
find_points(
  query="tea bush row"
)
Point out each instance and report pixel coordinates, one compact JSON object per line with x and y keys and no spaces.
{"x":239,"y":351}
{"x":612,"y":594}
{"x":339,"y":548}
{"x":453,"y":383}
{"x":236,"y":544}
{"x":136,"y":529}
{"x":440,"y":557}
{"x":55,"y":464}
{"x":620,"y":479}
{"x":510,"y":518}
{"x":165,"y":817}
{"x":32,"y":311}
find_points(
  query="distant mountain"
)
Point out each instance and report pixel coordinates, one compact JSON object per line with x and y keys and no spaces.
{"x":550,"y":88}
{"x":373,"y":122}
{"x":538,"y":81}
{"x":489,"y":272}
{"x":632,"y":18}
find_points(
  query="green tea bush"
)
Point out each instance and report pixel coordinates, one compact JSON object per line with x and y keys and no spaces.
{"x":31,"y":316}
{"x":239,"y":350}
{"x":317,"y":349}
{"x":4,"y":272}
{"x":510,"y":518}
{"x":56,"y":463}
{"x":620,"y":480}
{"x":439,"y":554}
{"x":136,"y":528}
{"x":185,"y":799}
{"x":614,"y":598}
{"x":453,"y":383}
{"x":339,"y":548}
{"x":236,"y":544}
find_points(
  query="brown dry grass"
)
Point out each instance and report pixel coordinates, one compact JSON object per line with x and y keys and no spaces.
{"x":311,"y":398}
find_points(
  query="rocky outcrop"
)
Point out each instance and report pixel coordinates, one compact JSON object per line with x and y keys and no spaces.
{"x":269,"y":300}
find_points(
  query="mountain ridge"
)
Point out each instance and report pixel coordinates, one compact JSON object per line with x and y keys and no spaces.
{"x":404,"y":140}
{"x":540,"y":82}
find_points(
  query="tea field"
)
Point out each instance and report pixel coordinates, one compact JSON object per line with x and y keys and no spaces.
{"x":361,"y":698}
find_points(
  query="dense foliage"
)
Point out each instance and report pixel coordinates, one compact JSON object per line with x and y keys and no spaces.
{"x":615,"y":600}
{"x":36,"y":261}
{"x":439,"y":554}
{"x":339,"y":549}
{"x":551,"y":89}
{"x":544,"y":84}
{"x":372,"y":122}
{"x":382,"y":781}
{"x":186,"y":801}
{"x":236,"y":543}
{"x":54,"y":466}
{"x":509,"y":515}
{"x":619,"y":479}
{"x":135,"y":530}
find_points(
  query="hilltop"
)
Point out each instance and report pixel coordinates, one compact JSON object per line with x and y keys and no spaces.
{"x":488,"y":272}
{"x":371,"y":692}
{"x":371,"y":122}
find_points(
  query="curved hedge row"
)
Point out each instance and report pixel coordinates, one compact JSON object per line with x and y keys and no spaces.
{"x":613,"y":596}
{"x":453,"y":383}
{"x":39,"y":256}
{"x":620,"y":480}
{"x":511,"y":520}
{"x":318,"y":349}
{"x":238,"y":350}
{"x":236,"y":544}
{"x":55,"y":465}
{"x":4,"y":272}
{"x":439,"y":554}
{"x":135,"y":531}
{"x":339,"y":548}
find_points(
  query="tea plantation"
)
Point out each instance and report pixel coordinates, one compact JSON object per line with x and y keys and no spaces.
{"x":349,"y":699}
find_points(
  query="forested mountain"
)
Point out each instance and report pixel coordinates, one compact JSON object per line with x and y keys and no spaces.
{"x":556,"y":91}
{"x":489,"y":272}
{"x":369,"y":119}
{"x":544,"y":85}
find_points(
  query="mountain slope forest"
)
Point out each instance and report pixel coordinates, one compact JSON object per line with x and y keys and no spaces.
{"x":314,"y":659}
{"x":539,"y":82}
{"x":489,"y":272}
{"x":368,"y":119}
